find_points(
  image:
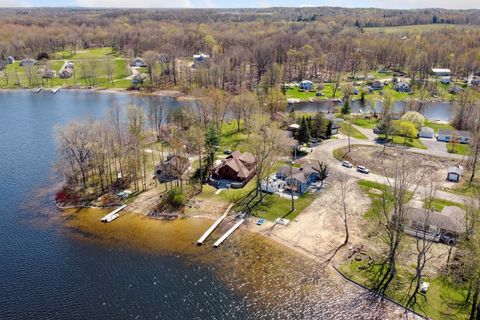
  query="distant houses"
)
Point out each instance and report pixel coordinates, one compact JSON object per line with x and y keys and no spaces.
{"x":459,"y":136}
{"x":438,"y":72}
{"x":28,"y":62}
{"x":235,"y":171}
{"x":48,"y":74}
{"x":445,"y":80}
{"x":377,"y":85}
{"x":475,"y":81}
{"x":200,"y":59}
{"x":10,"y":60}
{"x":306,"y":85}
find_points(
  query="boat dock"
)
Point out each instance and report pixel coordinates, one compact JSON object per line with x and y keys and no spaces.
{"x":55,"y":90}
{"x":228,"y":233}
{"x":213,"y":226}
{"x":113,"y":215}
{"x":38,"y":90}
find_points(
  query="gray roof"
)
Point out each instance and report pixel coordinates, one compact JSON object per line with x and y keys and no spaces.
{"x":427,"y":129}
{"x":445,"y":221}
{"x":455,"y":169}
{"x":457,"y":133}
{"x":300,"y":174}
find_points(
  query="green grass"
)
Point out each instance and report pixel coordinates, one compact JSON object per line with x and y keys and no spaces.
{"x":458,"y":148}
{"x":443,"y":296}
{"x":231,"y":138}
{"x":274,"y":207}
{"x":354,"y":133}
{"x":438,"y":126}
{"x":411,"y":143}
{"x":293,"y":93}
{"x":367,"y":186}
{"x":438,"y":204}
{"x":370,"y":123}
{"x":94,"y":53}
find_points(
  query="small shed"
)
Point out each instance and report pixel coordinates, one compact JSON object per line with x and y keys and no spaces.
{"x":377,"y":85}
{"x":137,"y":62}
{"x":454,"y":174}
{"x":445,"y":80}
{"x":426,"y":132}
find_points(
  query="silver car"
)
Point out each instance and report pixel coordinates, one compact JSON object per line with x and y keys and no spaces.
{"x":347,"y":164}
{"x":362,"y":169}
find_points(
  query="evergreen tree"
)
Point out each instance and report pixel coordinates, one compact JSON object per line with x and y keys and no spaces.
{"x":346,"y":109}
{"x":303,"y":135}
{"x":212,"y":140}
{"x":319,"y":126}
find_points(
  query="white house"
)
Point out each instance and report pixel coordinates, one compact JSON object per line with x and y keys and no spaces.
{"x":402,"y":86}
{"x":448,"y":135}
{"x":306,"y":85}
{"x":454,"y":174}
{"x":137,"y":62}
{"x":426,"y":132}
{"x":441,"y":72}
{"x":200,"y":57}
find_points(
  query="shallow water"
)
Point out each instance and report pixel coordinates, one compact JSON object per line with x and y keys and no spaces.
{"x":60,"y":267}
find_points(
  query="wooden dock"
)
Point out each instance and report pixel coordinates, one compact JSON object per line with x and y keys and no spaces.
{"x":113,"y":215}
{"x":228,"y":233}
{"x":213,"y":226}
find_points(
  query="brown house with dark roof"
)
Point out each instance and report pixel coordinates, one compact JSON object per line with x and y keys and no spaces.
{"x":237,"y":167}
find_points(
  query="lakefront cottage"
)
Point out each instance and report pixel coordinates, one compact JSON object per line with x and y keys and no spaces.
{"x":137,"y":62}
{"x":439,"y":72}
{"x":173,"y":168}
{"x":306,"y":85}
{"x":235,"y":171}
{"x":298,"y":179}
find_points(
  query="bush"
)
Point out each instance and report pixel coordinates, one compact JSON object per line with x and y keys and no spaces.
{"x":175,"y":198}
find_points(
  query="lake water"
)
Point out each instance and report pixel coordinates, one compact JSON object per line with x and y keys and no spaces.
{"x":439,"y":110}
{"x":57,"y":268}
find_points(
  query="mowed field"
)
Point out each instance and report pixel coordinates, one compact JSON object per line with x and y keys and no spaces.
{"x":418,"y":28}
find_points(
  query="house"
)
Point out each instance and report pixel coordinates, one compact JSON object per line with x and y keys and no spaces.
{"x":377,"y":85}
{"x":306,"y":85}
{"x":475,"y":81}
{"x":28,"y":62}
{"x":445,"y":80}
{"x":384,"y":70}
{"x":426,"y":132}
{"x":48,"y":74}
{"x":272,"y":185}
{"x":199,"y":58}
{"x":446,"y":226}
{"x":335,"y":126}
{"x":297,"y":180}
{"x":441,"y":72}
{"x":66,"y":73}
{"x":454,"y":174}
{"x":10,"y":60}
{"x":235,"y":171}
{"x":137,"y":62}
{"x":173,"y":168}
{"x":459,"y":135}
{"x":294,"y":127}
{"x":402,"y":86}
{"x":454,"y":89}
{"x":69,"y":64}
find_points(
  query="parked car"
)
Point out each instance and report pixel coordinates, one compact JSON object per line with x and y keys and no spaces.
{"x":362,"y":169}
{"x":228,"y":151}
{"x":347,"y":164}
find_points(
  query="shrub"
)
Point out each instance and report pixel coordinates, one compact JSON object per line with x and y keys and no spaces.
{"x":175,"y":198}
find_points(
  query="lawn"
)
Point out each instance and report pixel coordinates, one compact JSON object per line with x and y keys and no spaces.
{"x":420,"y":28}
{"x":293,"y":93}
{"x":443,"y":297}
{"x":369,"y":123}
{"x":94,"y":53}
{"x":232,"y":139}
{"x":458,"y":148}
{"x":354,"y":133}
{"x":274,"y":206}
{"x":438,"y":204}
{"x":370,"y":187}
{"x":411,"y":143}
{"x":438,"y":126}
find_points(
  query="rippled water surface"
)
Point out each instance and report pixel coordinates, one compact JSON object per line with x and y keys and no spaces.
{"x":72,"y":267}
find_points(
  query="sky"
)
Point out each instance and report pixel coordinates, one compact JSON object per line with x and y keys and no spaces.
{"x":405,"y":4}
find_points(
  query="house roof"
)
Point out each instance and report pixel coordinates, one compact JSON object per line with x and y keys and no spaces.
{"x":457,"y":133}
{"x":427,"y":130}
{"x":301,"y":174}
{"x":306,"y":81}
{"x":454,"y":222}
{"x":440,"y":70}
{"x":241,"y":163}
{"x":455,"y":169}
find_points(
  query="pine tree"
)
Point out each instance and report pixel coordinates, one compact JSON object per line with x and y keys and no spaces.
{"x":304,"y":132}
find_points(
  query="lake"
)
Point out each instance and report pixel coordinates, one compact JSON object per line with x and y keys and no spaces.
{"x":54,"y":267}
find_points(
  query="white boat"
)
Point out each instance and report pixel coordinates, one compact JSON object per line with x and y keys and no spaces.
{"x":38,"y":90}
{"x":55,"y":90}
{"x":311,"y":100}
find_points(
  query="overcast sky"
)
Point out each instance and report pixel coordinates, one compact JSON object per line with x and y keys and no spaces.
{"x":458,"y":4}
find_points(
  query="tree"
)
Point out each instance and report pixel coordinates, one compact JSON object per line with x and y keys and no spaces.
{"x":319,"y":126}
{"x":212,"y":141}
{"x":303,"y":134}
{"x":414,"y":117}
{"x":406,"y":129}
{"x":346,"y":109}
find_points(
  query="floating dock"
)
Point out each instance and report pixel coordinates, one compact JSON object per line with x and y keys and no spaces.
{"x":113,"y":215}
{"x":213,"y":226}
{"x":228,"y":233}
{"x":38,"y":90}
{"x":55,"y":90}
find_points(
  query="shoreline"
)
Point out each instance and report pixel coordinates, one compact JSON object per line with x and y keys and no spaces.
{"x":176,"y":94}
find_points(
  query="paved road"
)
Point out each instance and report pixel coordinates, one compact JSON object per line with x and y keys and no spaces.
{"x":324,"y":152}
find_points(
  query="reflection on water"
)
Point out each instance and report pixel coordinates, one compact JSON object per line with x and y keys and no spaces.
{"x":272,"y":281}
